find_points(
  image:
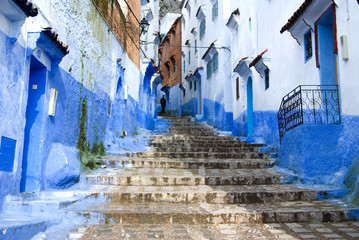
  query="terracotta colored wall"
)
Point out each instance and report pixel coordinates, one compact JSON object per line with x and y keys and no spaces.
{"x":124,"y":24}
{"x":171,"y":46}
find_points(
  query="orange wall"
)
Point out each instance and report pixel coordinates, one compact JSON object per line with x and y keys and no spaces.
{"x":126,"y":28}
{"x":171,"y":46}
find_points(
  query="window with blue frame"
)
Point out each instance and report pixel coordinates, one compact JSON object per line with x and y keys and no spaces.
{"x":209,"y":69}
{"x":195,"y":46}
{"x":266,"y":78}
{"x":202,"y":28}
{"x":184,"y":66}
{"x":215,"y":11}
{"x":189,"y":56}
{"x":215,"y":62}
{"x":308,"y":45}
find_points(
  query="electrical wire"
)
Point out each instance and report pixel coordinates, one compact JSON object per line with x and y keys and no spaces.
{"x":184,"y":46}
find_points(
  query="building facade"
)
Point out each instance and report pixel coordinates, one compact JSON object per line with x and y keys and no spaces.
{"x":70,"y":85}
{"x":170,"y":62}
{"x":206,"y":62}
{"x":281,"y":73}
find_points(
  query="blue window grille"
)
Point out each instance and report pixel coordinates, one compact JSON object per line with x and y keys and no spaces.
{"x":7,"y":154}
{"x":215,"y":62}
{"x":202,"y":28}
{"x":209,"y":69}
{"x":308,"y":45}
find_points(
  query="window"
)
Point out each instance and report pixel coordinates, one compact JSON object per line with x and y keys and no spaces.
{"x":250,"y":24}
{"x":215,"y":62}
{"x":168,"y":69}
{"x":209,"y":69}
{"x":308,"y":48}
{"x":202,"y":28}
{"x":173,"y":63}
{"x":195,"y":46}
{"x":184,"y":66}
{"x":189,"y":56}
{"x":237,"y":87}
{"x":195,"y":86}
{"x":215,"y":11}
{"x":190,"y":85}
{"x":266,"y":78}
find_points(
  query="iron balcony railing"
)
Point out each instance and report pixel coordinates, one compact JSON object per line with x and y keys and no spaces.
{"x":309,"y":104}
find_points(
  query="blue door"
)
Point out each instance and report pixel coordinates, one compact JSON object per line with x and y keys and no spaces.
{"x":32,"y":158}
{"x":326,"y":55}
{"x":249,"y":106}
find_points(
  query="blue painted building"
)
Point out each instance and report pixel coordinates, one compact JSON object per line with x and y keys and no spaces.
{"x":60,"y":99}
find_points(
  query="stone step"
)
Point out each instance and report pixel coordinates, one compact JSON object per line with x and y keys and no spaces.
{"x":208,"y":155}
{"x":21,"y":227}
{"x":175,"y":144}
{"x":184,"y":177}
{"x":190,"y":163}
{"x":200,"y":194}
{"x":228,"y":149}
{"x":180,"y":231}
{"x":203,"y":213}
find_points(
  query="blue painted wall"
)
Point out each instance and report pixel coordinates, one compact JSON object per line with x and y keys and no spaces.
{"x":12,"y":114}
{"x":145,"y":112}
{"x":215,"y":115}
{"x":321,"y":153}
{"x":190,"y":108}
{"x":265,"y":126}
{"x":63,"y":128}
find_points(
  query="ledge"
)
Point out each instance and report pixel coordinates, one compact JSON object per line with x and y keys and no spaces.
{"x":305,"y":17}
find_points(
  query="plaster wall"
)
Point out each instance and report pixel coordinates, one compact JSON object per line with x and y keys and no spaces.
{"x":90,"y":71}
{"x":317,"y":153}
{"x":216,"y":91}
{"x":167,"y":22}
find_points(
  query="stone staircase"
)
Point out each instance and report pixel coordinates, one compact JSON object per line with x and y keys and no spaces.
{"x":194,"y":184}
{"x":191,"y":184}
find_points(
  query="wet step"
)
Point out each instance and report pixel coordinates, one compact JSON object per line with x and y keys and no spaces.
{"x":208,"y":155}
{"x":184,"y":177}
{"x":228,"y":149}
{"x":200,"y":194}
{"x":203,"y":213}
{"x":21,"y":227}
{"x":183,"y":163}
{"x":180,"y":231}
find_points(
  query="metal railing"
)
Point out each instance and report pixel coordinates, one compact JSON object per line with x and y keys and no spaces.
{"x":309,"y":104}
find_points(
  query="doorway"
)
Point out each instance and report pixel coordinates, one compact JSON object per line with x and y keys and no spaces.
{"x":249,"y":106}
{"x":326,"y":48}
{"x":33,"y":141}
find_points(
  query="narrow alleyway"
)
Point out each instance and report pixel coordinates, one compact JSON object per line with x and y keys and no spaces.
{"x":196,"y":185}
